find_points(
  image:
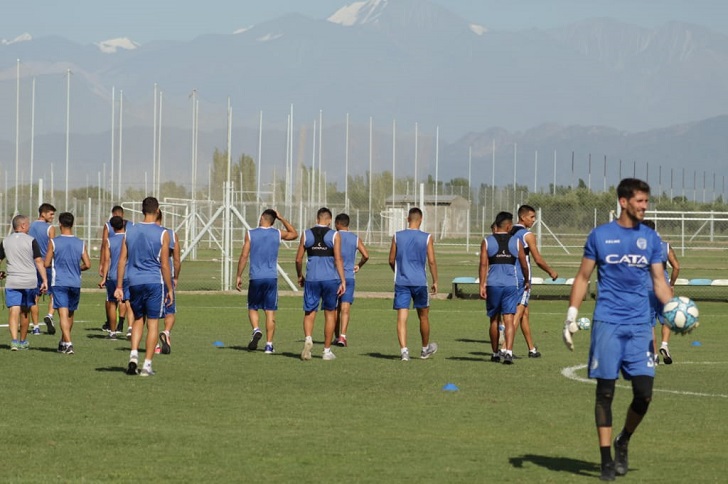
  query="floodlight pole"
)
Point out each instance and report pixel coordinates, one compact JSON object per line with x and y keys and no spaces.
{"x":32,"y":139}
{"x":17,"y":134}
{"x":68,"y":127}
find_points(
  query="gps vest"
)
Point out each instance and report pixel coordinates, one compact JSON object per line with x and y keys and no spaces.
{"x":319,"y":247}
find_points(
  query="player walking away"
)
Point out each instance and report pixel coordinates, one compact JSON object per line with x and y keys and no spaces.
{"x":667,"y":255}
{"x":145,"y":259}
{"x":261,"y":248}
{"x":350,"y":244}
{"x":109,"y":273}
{"x":409,"y":251}
{"x":170,"y":311}
{"x":67,"y":257}
{"x":324,"y":281}
{"x":626,"y":254}
{"x":500,"y":286}
{"x":106,"y":231}
{"x":521,"y":230}
{"x":24,"y":267}
{"x":43,"y":231}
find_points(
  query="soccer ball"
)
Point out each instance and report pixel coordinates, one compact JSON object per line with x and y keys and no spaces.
{"x":583,"y":323}
{"x":681,"y":315}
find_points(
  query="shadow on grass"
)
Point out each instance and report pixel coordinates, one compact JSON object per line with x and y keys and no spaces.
{"x":466,"y":358}
{"x":44,"y":350}
{"x":558,"y":464}
{"x":103,"y":336}
{"x":112,"y":369}
{"x":467,"y":340}
{"x":382,"y":356}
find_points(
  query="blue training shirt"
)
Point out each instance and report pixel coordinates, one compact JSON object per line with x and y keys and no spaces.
{"x":40,"y":230}
{"x":411,"y":257}
{"x":320,"y":267}
{"x":67,"y":253}
{"x":349,"y":246}
{"x":144,"y":248}
{"x":264,"y":245}
{"x":115,"y":241}
{"x":519,"y":231}
{"x":503,"y":266}
{"x":623,"y":257}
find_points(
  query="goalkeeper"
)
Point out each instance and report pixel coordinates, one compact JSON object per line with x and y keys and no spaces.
{"x":626,"y":254}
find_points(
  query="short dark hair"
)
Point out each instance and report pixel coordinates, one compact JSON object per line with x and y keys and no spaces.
{"x":502,"y":218}
{"x":270,"y":215}
{"x":414,"y":211}
{"x":150,"y":205}
{"x":342,"y":219}
{"x":116,"y":222}
{"x":525,"y":209}
{"x":323,"y":211}
{"x":18,"y":221}
{"x":629,"y":186}
{"x":649,"y":223}
{"x":45,"y":208}
{"x":117,"y":209}
{"x":66,"y":219}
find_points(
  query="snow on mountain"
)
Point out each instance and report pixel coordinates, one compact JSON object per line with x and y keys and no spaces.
{"x":242,"y":30}
{"x":358,"y":13}
{"x":111,"y":46}
{"x":20,"y":38}
{"x":478,"y":29}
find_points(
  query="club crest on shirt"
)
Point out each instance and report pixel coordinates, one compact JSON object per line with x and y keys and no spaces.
{"x":642,"y":243}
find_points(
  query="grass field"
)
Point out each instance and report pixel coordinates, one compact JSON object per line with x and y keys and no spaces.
{"x":228,"y":415}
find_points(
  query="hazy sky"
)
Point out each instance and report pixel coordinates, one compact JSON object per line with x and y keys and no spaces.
{"x":87,"y":21}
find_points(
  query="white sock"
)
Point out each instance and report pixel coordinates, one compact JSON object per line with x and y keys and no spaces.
{"x":664,"y":344}
{"x":343,"y":336}
{"x":404,"y":350}
{"x":134,"y":354}
{"x":147,"y":364}
{"x":308,"y":339}
{"x":509,"y":352}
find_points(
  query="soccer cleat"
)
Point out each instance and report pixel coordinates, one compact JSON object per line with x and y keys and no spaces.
{"x":133,"y":366}
{"x":430,"y":350}
{"x":495,"y":357}
{"x":253,"y":345}
{"x":405,"y":355}
{"x":269,"y":349}
{"x":147,"y":372}
{"x":106,"y":327}
{"x":68,"y":350}
{"x":508,"y":359}
{"x":608,"y":473}
{"x":328,"y":356}
{"x":23,"y":345}
{"x":666,"y":357}
{"x":341,"y":341}
{"x":112,"y":335}
{"x":128,"y":332}
{"x":14,"y":345}
{"x":61,"y":347}
{"x":36,"y":330}
{"x":306,"y":353}
{"x":50,"y":327}
{"x":534,"y":353}
{"x":620,"y":456}
{"x":166,"y":343}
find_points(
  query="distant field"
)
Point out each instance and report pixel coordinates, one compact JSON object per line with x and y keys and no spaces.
{"x":228,"y":415}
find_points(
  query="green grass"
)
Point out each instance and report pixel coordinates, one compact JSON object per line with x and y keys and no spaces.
{"x":229,"y":415}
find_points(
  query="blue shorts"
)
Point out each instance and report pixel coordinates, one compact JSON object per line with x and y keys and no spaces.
{"x":147,"y":300}
{"x":111,"y":287}
{"x":501,"y":300}
{"x":625,"y":347}
{"x":172,"y":308}
{"x":66,"y":297}
{"x":523,"y":295}
{"x":24,"y":298}
{"x":263,"y":294}
{"x":324,"y":291}
{"x":419,"y":295}
{"x":656,"y":308}
{"x":348,"y":296}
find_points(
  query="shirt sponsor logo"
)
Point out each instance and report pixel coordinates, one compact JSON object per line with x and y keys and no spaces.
{"x":637,"y":260}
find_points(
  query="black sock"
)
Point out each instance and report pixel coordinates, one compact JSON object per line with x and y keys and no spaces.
{"x":606,"y":453}
{"x":624,"y":436}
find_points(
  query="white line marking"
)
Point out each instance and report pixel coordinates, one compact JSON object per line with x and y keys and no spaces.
{"x":570,"y":373}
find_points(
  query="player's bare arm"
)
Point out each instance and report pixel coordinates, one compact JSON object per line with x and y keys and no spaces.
{"x":483,"y":268}
{"x":432,"y":262}
{"x":242,"y":262}
{"x":538,"y":258}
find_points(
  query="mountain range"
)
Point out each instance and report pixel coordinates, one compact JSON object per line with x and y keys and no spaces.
{"x":612,"y":89}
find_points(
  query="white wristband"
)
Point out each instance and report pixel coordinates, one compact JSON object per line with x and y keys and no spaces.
{"x":571,"y":313}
